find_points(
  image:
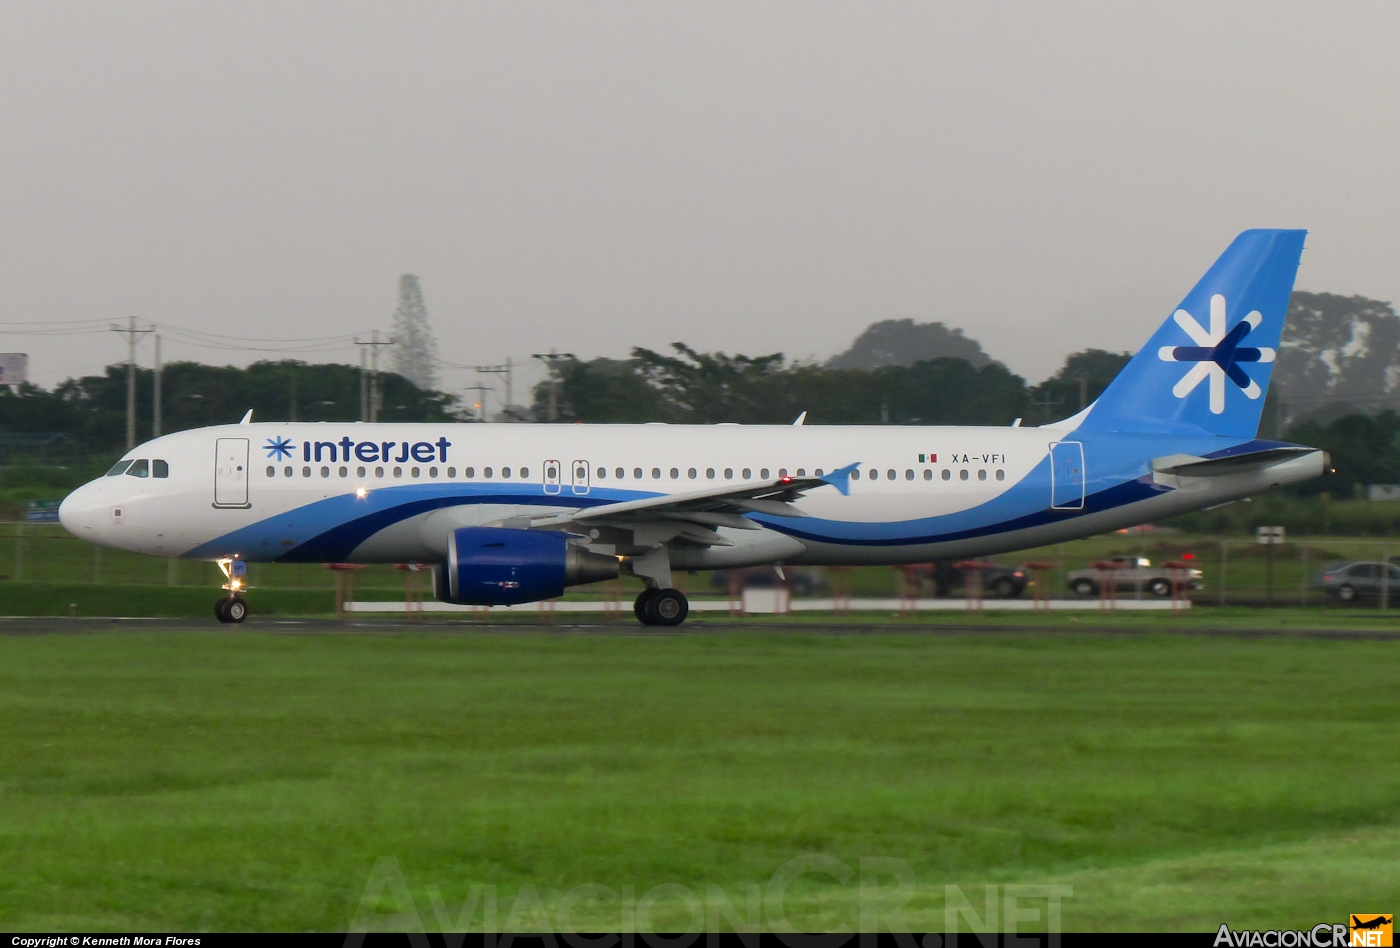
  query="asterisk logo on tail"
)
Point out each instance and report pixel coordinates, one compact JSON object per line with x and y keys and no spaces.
{"x":279,"y":448}
{"x":1217,"y":354}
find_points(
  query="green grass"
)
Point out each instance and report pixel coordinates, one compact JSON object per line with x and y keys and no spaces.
{"x":241,"y":780}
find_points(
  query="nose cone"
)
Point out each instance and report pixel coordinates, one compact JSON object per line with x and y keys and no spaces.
{"x":82,"y":512}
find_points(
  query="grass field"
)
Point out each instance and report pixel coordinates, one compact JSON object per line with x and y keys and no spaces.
{"x":221,"y":780}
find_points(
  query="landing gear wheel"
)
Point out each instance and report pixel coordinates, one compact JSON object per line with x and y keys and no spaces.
{"x":668,"y":607}
{"x":642,"y":606}
{"x":231,"y":609}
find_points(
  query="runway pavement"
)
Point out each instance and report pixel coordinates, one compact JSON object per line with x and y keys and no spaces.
{"x":1197,"y":624}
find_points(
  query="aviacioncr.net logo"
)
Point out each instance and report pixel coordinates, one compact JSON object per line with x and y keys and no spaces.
{"x":1217,"y":354}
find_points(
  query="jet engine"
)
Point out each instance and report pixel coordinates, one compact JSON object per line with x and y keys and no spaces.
{"x":498,"y":566}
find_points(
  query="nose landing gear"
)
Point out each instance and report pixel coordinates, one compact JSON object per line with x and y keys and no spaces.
{"x":233,"y":608}
{"x":667,"y":607}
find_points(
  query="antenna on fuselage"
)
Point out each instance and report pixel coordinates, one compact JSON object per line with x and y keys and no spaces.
{"x":801,"y":419}
{"x":248,"y":418}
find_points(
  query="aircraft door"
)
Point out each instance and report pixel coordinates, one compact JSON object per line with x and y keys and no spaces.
{"x":551,"y":477}
{"x":580,"y":481}
{"x":231,"y":472}
{"x":1067,"y":475}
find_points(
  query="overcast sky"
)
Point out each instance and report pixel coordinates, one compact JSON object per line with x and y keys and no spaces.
{"x":747,"y":177}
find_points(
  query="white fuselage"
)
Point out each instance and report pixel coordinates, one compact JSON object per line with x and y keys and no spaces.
{"x":326,"y":492}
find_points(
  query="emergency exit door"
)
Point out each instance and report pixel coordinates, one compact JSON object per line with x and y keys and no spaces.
{"x":1067,"y":475}
{"x":231,"y":472}
{"x":580,"y":475}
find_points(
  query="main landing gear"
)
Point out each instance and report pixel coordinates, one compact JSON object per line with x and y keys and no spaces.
{"x":661,"y":607}
{"x":233,"y":607}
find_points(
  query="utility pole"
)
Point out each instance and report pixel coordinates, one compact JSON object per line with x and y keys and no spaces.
{"x":370,"y":406}
{"x":364,"y":385}
{"x":131,"y":332}
{"x":504,"y":370}
{"x":1083,"y":392}
{"x":155,"y":394}
{"x":551,"y":359}
{"x":480,"y":404}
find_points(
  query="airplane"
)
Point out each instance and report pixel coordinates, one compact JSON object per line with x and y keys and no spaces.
{"x":516,"y":513}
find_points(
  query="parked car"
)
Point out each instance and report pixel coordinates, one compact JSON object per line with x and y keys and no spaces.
{"x":1352,"y":581}
{"x":1003,"y":582}
{"x":1133,"y":574}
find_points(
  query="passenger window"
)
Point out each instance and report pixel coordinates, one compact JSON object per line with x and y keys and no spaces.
{"x":928,"y":474}
{"x":306,"y":472}
{"x":505,"y":472}
{"x":801,"y":472}
{"x":119,"y":468}
{"x":160,"y":469}
{"x":141,"y":468}
{"x":398,"y":472}
{"x":908,"y":475}
{"x":729,"y":473}
{"x":1001,"y":475}
{"x":982,"y":475}
{"x":359,"y":472}
{"x":432,"y":472}
{"x":637,"y":473}
{"x":675,"y":473}
{"x":890,"y":474}
{"x":710,"y":473}
{"x":656,"y":473}
{"x":620,"y":473}
{"x":524,"y":472}
{"x":782,"y":472}
{"x":379,"y":472}
{"x":469,"y":472}
{"x":485,"y":472}
{"x":818,"y":472}
{"x":344,"y":472}
{"x":947,"y":474}
{"x":451,"y":472}
{"x":763,"y":474}
{"x":690,"y":473}
{"x":287,"y":471}
{"x":271,"y":471}
{"x":325,"y":471}
{"x":602,"y":473}
{"x":413,"y":472}
{"x":963,"y":475}
{"x":748,"y":473}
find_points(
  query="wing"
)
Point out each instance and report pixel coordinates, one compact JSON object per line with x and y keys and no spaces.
{"x":696,"y":515}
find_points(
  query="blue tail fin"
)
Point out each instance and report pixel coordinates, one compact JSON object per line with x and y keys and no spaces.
{"x":1208,"y":366}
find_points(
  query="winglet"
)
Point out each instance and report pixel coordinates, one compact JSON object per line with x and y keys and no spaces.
{"x":248,"y":418}
{"x":801,"y":419}
{"x":841,"y":477}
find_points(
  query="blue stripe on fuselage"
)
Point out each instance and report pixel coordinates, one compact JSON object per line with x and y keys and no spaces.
{"x":329,"y":530}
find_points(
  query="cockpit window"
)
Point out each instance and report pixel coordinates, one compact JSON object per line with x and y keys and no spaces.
{"x":119,"y":468}
{"x":141,"y":468}
{"x":159,"y":468}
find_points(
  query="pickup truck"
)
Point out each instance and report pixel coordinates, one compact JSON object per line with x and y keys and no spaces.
{"x":1133,"y":574}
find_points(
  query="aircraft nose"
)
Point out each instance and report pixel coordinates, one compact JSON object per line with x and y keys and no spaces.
{"x":81,"y":511}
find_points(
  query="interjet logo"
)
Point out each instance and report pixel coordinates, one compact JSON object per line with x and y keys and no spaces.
{"x":278,"y":448}
{"x":1217,"y":354}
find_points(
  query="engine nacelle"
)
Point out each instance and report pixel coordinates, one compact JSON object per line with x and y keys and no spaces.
{"x":497,"y":566}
